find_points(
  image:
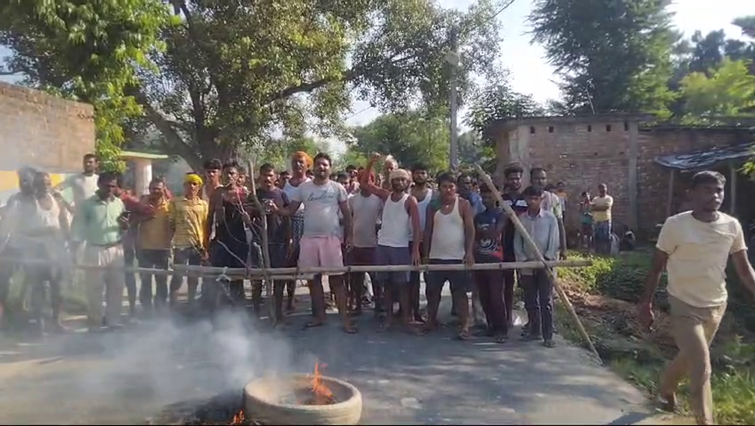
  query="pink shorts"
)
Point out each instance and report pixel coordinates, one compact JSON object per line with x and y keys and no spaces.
{"x":324,"y":252}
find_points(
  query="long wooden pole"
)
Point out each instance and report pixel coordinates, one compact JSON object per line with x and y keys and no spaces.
{"x":207,"y":271}
{"x":265,"y":244}
{"x":385,"y":268}
{"x":548,"y":269}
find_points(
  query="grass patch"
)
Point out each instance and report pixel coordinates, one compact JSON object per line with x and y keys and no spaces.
{"x":604,"y":295}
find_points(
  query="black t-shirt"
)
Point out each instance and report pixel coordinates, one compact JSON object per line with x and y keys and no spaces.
{"x":277,"y":229}
{"x":519,"y":205}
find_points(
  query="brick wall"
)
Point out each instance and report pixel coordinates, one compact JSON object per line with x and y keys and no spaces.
{"x":582,"y":155}
{"x":43,"y":131}
{"x":653,"y":180}
{"x":583,"y":152}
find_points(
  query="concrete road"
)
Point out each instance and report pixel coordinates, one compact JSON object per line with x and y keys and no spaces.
{"x":132,"y":376}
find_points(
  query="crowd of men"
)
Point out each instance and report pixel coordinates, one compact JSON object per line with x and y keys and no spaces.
{"x":362,"y":216}
{"x":315,"y":218}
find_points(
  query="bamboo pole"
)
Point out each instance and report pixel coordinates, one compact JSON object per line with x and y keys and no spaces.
{"x":200,"y":272}
{"x":544,"y":264}
{"x":299,"y":273}
{"x":265,"y":249}
{"x":389,"y":268}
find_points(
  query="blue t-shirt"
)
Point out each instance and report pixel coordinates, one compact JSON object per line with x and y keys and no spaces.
{"x":489,"y":249}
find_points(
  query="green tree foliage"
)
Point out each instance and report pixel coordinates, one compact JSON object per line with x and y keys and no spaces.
{"x":729,"y":91}
{"x":411,"y":137}
{"x":89,"y":51}
{"x":611,"y":55}
{"x":498,"y":101}
{"x":233,"y":73}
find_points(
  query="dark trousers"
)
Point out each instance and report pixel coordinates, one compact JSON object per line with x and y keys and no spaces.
{"x":490,"y":291}
{"x":538,"y":301}
{"x":509,"y":278}
{"x":185,"y":256}
{"x":129,"y":260}
{"x":157,"y":259}
{"x":414,"y":285}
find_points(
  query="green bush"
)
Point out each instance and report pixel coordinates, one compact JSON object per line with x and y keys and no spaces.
{"x":620,"y":277}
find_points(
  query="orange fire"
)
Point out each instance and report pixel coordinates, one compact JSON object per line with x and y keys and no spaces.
{"x":238,"y":419}
{"x":322,"y":395}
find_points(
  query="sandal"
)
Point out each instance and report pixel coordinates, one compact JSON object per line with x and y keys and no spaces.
{"x":501,"y":338}
{"x":350,"y":329}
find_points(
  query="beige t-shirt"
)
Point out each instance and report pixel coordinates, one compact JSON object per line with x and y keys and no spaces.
{"x":698,"y":253}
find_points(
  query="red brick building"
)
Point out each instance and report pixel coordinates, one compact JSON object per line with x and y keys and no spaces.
{"x":615,"y":149}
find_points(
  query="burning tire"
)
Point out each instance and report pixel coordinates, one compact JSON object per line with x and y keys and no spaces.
{"x":303,"y":400}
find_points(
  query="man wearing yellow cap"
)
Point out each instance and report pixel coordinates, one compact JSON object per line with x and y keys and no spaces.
{"x":188,"y":218}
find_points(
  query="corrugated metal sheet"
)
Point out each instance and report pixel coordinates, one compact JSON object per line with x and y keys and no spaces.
{"x":706,"y":157}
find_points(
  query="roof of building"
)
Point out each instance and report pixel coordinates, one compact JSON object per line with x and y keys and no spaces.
{"x":706,"y":157}
{"x":143,"y":155}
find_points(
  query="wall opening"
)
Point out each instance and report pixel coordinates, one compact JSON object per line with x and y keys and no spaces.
{"x":608,"y":127}
{"x":532,"y":130}
{"x":589,"y":128}
{"x":626,"y":126}
{"x":550,"y":129}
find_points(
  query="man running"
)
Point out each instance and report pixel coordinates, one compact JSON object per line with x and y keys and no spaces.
{"x":422,"y":192}
{"x":366,"y":209}
{"x":489,"y":249}
{"x":450,"y":233}
{"x":188,"y":222}
{"x":320,"y":245}
{"x":230,"y":218}
{"x":513,"y":197}
{"x":694,"y":248}
{"x":399,"y":219}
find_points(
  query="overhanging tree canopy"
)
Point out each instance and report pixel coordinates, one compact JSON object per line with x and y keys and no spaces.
{"x":216,"y":76}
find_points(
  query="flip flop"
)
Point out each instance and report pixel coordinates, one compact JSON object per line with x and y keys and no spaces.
{"x":350,"y":329}
{"x":501,"y":338}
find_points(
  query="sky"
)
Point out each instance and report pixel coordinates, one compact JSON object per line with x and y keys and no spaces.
{"x":530,"y":71}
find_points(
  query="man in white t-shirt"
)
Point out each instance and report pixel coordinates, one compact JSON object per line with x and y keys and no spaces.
{"x":694,"y":247}
{"x":82,"y":185}
{"x":320,"y":245}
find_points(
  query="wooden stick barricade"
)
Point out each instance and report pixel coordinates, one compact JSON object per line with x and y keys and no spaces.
{"x":541,"y":260}
{"x":302,"y":273}
{"x":382,"y":268}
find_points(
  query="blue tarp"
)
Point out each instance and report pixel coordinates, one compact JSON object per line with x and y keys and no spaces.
{"x":706,"y":157}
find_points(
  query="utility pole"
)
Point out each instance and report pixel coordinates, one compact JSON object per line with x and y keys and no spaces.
{"x":453,"y":59}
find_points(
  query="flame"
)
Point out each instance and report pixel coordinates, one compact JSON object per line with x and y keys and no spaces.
{"x":322,"y":394}
{"x":238,"y":419}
